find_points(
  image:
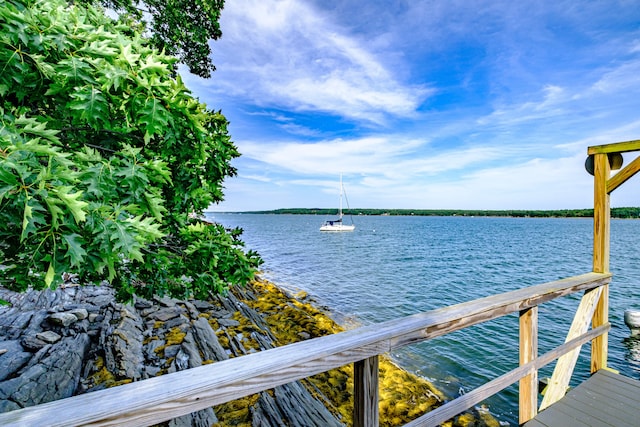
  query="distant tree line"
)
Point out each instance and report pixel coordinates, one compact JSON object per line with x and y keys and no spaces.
{"x":627,"y":212}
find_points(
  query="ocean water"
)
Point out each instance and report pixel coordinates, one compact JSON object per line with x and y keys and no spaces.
{"x":394,"y":266}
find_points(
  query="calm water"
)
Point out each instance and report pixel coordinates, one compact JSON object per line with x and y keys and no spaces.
{"x":395,"y":266}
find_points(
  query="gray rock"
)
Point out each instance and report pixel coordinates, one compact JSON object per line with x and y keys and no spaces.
{"x":147,"y":311}
{"x":190,"y":348}
{"x":8,"y":405}
{"x":53,"y":376}
{"x":122,"y":344}
{"x":204,"y":418}
{"x":191,"y":309}
{"x":151,"y":348}
{"x":202,"y":305}
{"x":13,"y":321}
{"x":171,"y":350}
{"x":166,"y":301}
{"x":64,"y":319}
{"x":82,"y":326}
{"x":220,"y":313}
{"x":304,"y":335}
{"x":182,"y":360}
{"x":80,"y":313}
{"x":208,"y":341}
{"x":90,"y":308}
{"x":38,"y":318}
{"x":99,"y":296}
{"x":151,"y":371}
{"x":32,"y":343}
{"x":265,"y":412}
{"x":49,"y":337}
{"x":228,"y":323}
{"x":166,"y":313}
{"x":176,"y":321}
{"x":142,"y":303}
{"x":301,"y":408}
{"x":102,"y":300}
{"x":12,"y":359}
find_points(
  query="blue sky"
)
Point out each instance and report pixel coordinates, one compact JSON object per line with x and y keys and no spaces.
{"x":424,"y":104}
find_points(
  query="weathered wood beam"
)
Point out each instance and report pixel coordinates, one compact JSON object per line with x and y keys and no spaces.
{"x":566,"y":363}
{"x":365,"y":394}
{"x":601,"y":254}
{"x":528,"y":394}
{"x":442,"y":321}
{"x":617,"y":147}
{"x":623,"y":175}
{"x":600,"y":345}
{"x":601,"y":214}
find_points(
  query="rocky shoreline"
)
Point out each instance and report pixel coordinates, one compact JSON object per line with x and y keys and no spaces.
{"x":78,"y":339}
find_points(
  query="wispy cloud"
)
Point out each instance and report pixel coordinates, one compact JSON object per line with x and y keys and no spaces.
{"x":361,"y":155}
{"x":620,"y":78}
{"x":286,"y":54}
{"x":551,"y":104}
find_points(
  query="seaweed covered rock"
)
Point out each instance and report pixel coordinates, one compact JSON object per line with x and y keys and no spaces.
{"x":74,"y":340}
{"x":56,"y":344}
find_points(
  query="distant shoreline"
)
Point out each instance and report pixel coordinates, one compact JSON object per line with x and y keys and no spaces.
{"x":625,"y":212}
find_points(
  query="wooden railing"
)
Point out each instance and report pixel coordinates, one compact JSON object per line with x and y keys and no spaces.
{"x":162,"y":398}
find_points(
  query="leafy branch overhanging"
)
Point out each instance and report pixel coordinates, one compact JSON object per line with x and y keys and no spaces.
{"x":104,"y":154}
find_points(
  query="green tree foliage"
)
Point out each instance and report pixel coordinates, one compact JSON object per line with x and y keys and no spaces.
{"x":178,"y":27}
{"x":103,"y":155}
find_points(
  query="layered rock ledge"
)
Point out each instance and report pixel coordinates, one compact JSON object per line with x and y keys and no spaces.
{"x":77,"y":339}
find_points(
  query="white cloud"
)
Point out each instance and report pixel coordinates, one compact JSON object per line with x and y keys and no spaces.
{"x":360,"y":155}
{"x":285,"y":54}
{"x":536,"y":184}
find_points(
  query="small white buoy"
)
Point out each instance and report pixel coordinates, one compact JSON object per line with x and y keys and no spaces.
{"x":632,"y":320}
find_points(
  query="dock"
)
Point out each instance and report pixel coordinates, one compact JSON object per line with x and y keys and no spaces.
{"x":606,"y":399}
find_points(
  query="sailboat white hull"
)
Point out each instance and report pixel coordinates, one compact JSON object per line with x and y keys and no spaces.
{"x":337,"y":227}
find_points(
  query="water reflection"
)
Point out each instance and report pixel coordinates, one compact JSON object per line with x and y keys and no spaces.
{"x":632,"y":345}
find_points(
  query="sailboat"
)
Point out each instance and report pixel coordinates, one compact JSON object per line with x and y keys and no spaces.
{"x":337,"y":224}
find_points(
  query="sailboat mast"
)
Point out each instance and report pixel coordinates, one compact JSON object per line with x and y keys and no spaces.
{"x":340,"y":210}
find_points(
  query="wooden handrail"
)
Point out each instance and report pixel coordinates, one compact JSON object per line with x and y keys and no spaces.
{"x":472,"y":398}
{"x":162,"y":398}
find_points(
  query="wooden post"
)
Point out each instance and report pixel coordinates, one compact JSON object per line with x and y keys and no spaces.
{"x":365,"y":393}
{"x":600,"y":345}
{"x":601,"y":239}
{"x":528,"y":353}
{"x":601,"y":214}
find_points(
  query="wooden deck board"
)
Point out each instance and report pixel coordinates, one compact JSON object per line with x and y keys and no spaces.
{"x":625,"y":400}
{"x":604,"y":400}
{"x":582,"y":404}
{"x":621,"y":393}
